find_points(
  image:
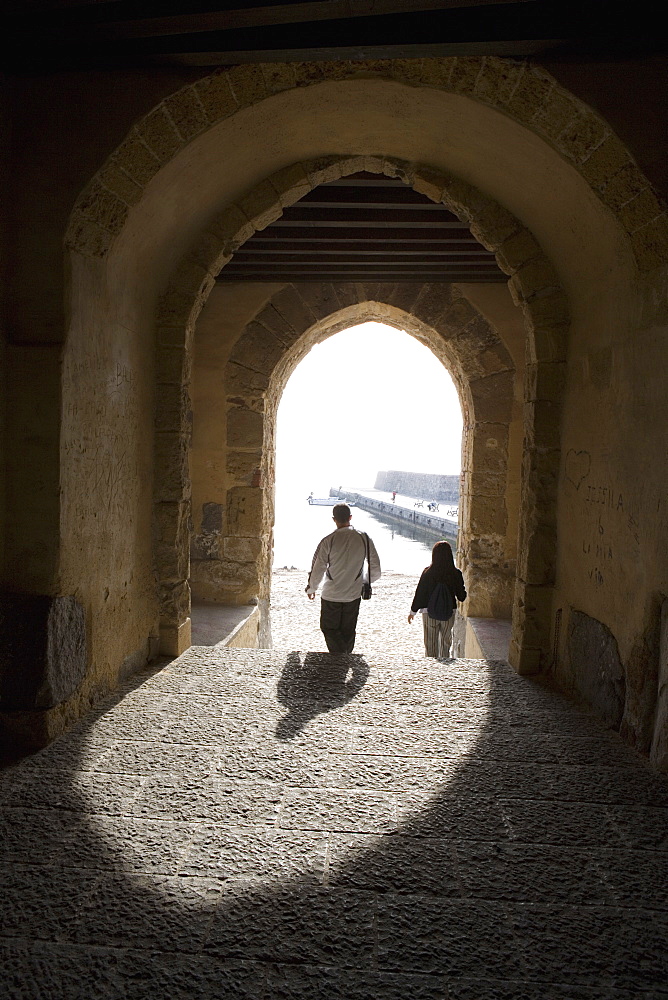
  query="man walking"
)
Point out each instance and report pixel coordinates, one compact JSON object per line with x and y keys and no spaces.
{"x":340,"y":557}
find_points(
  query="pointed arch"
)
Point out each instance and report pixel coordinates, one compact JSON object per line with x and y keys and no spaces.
{"x":482,"y":370}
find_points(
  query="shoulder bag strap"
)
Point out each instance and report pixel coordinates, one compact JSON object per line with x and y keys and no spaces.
{"x":368,"y":558}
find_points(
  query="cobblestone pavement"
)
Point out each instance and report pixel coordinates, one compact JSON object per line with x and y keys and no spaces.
{"x":381,"y":626}
{"x":288,"y":826}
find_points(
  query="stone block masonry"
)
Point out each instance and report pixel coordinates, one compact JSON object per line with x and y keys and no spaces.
{"x":426,"y":485}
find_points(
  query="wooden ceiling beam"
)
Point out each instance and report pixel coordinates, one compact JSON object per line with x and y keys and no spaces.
{"x":314,"y":243}
{"x":443,"y":275}
{"x":372,"y":218}
{"x":318,"y":262}
{"x":330,"y":233}
{"x":359,"y":256}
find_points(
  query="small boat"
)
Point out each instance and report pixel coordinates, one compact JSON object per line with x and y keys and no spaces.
{"x":328,"y":501}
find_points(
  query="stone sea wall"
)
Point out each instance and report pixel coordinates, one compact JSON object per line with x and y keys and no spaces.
{"x":442,"y":527}
{"x":424,"y":485}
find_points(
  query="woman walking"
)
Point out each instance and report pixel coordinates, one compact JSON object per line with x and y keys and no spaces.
{"x":439,"y":588}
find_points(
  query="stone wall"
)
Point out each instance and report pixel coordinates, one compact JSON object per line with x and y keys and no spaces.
{"x":425,"y":485}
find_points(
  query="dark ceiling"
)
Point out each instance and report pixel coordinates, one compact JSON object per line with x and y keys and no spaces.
{"x":364,"y":228}
{"x":79,"y":33}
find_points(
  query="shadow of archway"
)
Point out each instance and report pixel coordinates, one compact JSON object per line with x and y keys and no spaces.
{"x":320,"y":683}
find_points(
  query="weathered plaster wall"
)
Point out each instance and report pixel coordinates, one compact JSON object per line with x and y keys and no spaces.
{"x":107,"y":444}
{"x":613,"y":511}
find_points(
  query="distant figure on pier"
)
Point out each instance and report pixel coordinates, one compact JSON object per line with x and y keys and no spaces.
{"x":433,"y":506}
{"x":340,"y":557}
{"x":394,"y":496}
{"x":439,"y":588}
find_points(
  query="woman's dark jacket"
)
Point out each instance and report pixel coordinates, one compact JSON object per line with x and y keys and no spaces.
{"x":428,"y":581}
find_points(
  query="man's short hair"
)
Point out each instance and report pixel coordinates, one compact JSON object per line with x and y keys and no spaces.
{"x":341,"y":513}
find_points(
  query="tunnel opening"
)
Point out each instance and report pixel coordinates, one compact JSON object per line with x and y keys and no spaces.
{"x":364,"y":402}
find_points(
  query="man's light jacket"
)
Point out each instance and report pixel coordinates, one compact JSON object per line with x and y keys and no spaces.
{"x":340,"y":558}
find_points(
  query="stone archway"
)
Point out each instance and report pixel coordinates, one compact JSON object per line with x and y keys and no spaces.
{"x":523,"y":92}
{"x":534,"y":286}
{"x":192,"y":150}
{"x":235,"y":565}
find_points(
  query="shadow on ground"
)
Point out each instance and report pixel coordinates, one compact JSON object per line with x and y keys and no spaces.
{"x":319,"y":683}
{"x":445,"y":831}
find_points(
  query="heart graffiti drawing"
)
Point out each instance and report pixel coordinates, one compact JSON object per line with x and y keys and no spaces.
{"x":578,"y":466}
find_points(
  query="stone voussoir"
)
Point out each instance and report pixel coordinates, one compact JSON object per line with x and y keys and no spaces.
{"x":158,"y":132}
{"x":232,"y":227}
{"x":136,"y":159}
{"x":247,"y":84}
{"x":114,"y":179}
{"x":497,"y":81}
{"x":291,"y":183}
{"x":214,"y":93}
{"x":261,"y":205}
{"x":278,"y":77}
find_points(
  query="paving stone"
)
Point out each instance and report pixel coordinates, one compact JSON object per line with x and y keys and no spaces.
{"x":580,"y":824}
{"x":579,"y":783}
{"x":148,"y":912}
{"x":48,"y":971}
{"x":315,"y":926}
{"x":393,"y":864}
{"x":206,"y":729}
{"x":333,"y":809}
{"x":177,"y":705}
{"x":126,"y":844}
{"x":130,"y":726}
{"x":553,"y":749}
{"x":77,"y":753}
{"x":485,"y":989}
{"x":43,"y":903}
{"x":82,"y":792}
{"x":437,"y":716}
{"x":251,"y":855}
{"x":456,"y":937}
{"x":641,"y":826}
{"x":450,"y":815}
{"x":29,"y":836}
{"x":367,"y":739}
{"x":531,"y":874}
{"x":163,"y":758}
{"x":605,"y":946}
{"x":154,"y":975}
{"x":210,"y":799}
{"x":635,"y":875}
{"x":326,"y":983}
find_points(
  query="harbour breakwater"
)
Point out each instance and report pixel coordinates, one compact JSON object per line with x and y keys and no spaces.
{"x":443,"y":489}
{"x":440,"y":527}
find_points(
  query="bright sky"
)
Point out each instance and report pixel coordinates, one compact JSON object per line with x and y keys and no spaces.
{"x":366,"y":399}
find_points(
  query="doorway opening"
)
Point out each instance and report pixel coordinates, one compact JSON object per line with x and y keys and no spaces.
{"x":368,"y":406}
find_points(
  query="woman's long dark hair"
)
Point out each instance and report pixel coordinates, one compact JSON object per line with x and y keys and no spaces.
{"x":442,"y":561}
